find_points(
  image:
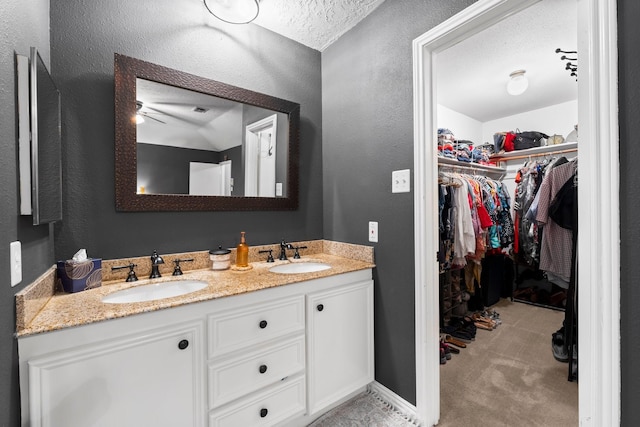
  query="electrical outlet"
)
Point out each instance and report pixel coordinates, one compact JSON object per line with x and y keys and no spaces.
{"x":373,"y":231}
{"x":15,"y":251}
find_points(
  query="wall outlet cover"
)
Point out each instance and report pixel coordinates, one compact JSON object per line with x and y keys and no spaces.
{"x":373,"y":231}
{"x":15,"y":251}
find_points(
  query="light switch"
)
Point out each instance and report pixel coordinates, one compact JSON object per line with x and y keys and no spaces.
{"x":15,"y":251}
{"x":401,"y":181}
{"x":279,"y":189}
{"x":373,"y":231}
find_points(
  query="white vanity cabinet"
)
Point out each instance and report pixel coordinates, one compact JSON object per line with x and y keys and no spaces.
{"x":263,"y":358}
{"x":257,"y":363}
{"x":139,"y":377}
{"x":339,"y":342}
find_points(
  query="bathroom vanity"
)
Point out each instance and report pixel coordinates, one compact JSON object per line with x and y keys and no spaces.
{"x":279,"y":355}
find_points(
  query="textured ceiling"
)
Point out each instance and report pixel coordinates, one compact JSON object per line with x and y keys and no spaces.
{"x":314,"y":23}
{"x":472,"y":75}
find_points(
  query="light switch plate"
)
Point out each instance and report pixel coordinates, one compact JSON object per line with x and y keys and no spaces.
{"x":373,"y":231}
{"x":279,"y":189}
{"x":401,"y":181}
{"x":15,"y":251}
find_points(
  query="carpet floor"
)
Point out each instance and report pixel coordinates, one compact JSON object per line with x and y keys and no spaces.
{"x":508,"y":376}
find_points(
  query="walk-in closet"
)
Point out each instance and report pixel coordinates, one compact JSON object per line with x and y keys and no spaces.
{"x":507,"y":147}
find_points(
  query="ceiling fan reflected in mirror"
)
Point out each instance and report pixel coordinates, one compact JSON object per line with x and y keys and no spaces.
{"x":140,"y":114}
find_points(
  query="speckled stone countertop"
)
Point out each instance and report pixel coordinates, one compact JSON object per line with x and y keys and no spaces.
{"x":41,"y":308}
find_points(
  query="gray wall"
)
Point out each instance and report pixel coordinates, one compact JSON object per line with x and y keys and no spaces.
{"x":84,"y":37}
{"x":367,"y":133}
{"x":360,"y":151}
{"x":165,"y":169}
{"x":629,"y":111}
{"x":22,"y":24}
{"x":367,"y":126}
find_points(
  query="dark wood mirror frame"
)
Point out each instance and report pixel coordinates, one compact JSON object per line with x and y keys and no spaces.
{"x":127,"y":70}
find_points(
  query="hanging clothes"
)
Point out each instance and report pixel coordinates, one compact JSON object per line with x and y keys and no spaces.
{"x":557,"y":242}
{"x":528,"y":230}
{"x":464,"y":241}
{"x":474,"y":218}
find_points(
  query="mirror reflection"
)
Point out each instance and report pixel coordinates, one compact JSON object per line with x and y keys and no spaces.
{"x":189,"y":143}
{"x":194,"y":143}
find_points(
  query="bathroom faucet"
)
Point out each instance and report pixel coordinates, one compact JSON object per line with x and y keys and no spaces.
{"x":156,"y":260}
{"x":283,"y":250}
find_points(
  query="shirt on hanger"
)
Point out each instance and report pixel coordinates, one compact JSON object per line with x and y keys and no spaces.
{"x":556,"y":247}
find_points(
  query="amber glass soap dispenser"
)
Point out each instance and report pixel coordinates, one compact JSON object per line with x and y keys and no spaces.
{"x":242,"y":252}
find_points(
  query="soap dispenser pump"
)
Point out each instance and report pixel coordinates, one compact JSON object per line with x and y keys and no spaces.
{"x":242,"y":252}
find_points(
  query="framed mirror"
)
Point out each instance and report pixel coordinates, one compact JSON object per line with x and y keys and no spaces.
{"x":40,"y":140}
{"x":188,"y":143}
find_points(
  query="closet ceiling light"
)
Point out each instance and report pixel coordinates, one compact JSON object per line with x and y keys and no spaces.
{"x":233,"y":11}
{"x":518,"y":83}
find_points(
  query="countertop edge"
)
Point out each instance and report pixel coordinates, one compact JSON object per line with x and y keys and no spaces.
{"x":48,"y":313}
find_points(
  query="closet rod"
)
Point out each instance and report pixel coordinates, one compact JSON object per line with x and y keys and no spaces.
{"x":527,"y":156}
{"x":457,"y":166}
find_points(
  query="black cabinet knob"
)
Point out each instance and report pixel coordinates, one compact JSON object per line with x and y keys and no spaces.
{"x":183,"y":344}
{"x":263,"y":324}
{"x":263,"y":369}
{"x":263,"y":412}
{"x":320,"y":307}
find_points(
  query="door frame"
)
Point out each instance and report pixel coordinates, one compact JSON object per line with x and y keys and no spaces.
{"x":252,"y":151}
{"x":599,"y":231}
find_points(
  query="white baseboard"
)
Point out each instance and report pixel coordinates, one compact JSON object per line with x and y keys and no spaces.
{"x":396,"y":402}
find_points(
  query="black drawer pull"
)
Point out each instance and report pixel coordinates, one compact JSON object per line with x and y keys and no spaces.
{"x":263,"y":369}
{"x":320,"y":307}
{"x":263,"y":412}
{"x":263,"y":324}
{"x":183,"y":344}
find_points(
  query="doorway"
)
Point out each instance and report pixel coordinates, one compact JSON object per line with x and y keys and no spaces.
{"x":598,"y":252}
{"x":260,"y":158}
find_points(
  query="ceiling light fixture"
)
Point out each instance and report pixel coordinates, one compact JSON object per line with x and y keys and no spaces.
{"x":139,"y":118}
{"x":233,"y":11}
{"x":518,"y":83}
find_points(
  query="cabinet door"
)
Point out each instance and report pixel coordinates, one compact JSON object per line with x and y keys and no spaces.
{"x":340,"y":343}
{"x":150,"y":379}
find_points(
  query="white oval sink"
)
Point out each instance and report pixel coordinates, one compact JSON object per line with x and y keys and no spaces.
{"x":155,"y":291}
{"x":299,"y":267}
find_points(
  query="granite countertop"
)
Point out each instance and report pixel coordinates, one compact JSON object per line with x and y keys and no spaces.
{"x":63,"y":310}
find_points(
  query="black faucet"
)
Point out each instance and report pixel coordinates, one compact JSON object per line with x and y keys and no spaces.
{"x":156,"y":260}
{"x":131,"y":276}
{"x":283,"y":250}
{"x":296,"y":254}
{"x":177,"y":270}
{"x":270,"y":256}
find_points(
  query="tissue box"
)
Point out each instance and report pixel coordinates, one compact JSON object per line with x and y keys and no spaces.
{"x":79,"y":276}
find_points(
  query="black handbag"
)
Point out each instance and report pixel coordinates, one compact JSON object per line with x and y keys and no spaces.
{"x":529,"y":139}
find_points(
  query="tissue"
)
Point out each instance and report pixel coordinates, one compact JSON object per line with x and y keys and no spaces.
{"x":80,"y":272}
{"x":80,"y":256}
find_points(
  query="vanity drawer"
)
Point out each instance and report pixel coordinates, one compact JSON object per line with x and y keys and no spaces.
{"x":235,"y":329}
{"x":240,"y":376}
{"x":269,"y":408}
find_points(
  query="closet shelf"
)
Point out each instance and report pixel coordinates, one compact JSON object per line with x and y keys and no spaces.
{"x":565,"y":147}
{"x":465,"y":167}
